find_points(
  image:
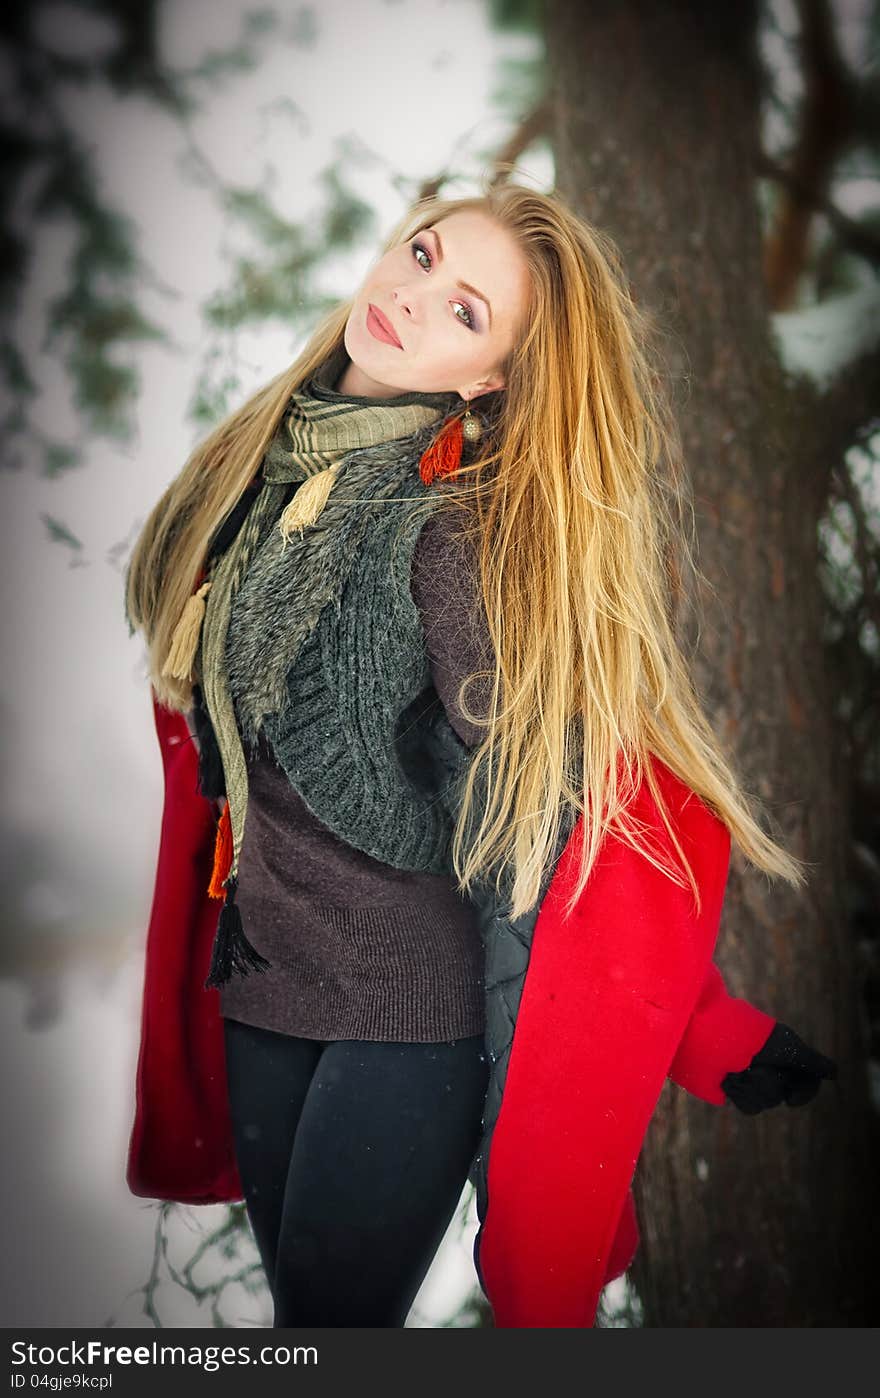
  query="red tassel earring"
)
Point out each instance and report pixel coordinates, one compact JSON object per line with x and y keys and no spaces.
{"x":443,"y":456}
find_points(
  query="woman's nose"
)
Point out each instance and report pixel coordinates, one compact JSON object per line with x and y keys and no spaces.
{"x":404,"y":300}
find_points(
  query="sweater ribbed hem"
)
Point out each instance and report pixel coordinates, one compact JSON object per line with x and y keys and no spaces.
{"x":401,"y":974}
{"x":259,"y":1018}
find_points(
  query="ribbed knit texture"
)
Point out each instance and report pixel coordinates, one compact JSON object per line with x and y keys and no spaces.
{"x":342,"y":721}
{"x":356,"y":682}
{"x":312,"y":435}
{"x":360,"y":949}
{"x":344,"y":870}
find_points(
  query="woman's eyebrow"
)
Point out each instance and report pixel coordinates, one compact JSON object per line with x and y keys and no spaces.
{"x":465,"y":286}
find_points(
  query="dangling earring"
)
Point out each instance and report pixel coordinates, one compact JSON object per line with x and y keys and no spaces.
{"x":443,"y":456}
{"x":471,"y":426}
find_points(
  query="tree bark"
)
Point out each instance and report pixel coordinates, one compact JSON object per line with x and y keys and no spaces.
{"x":768,"y":1220}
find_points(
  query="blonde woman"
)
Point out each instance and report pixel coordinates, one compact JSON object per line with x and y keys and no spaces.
{"x":429,"y":738}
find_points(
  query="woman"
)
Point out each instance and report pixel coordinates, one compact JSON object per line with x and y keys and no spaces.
{"x":419,"y":648}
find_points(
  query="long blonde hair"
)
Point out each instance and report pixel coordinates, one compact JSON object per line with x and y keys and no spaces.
{"x":575,"y":499}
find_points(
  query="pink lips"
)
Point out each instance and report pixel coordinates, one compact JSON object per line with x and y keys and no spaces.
{"x":380,"y":327}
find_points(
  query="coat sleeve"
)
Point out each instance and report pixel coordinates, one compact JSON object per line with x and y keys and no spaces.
{"x":722,"y":1036}
{"x":181,"y":1146}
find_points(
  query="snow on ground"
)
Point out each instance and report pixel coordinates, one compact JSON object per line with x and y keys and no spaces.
{"x":76,"y":1244}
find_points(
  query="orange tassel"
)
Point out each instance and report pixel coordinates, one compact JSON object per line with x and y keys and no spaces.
{"x":222,"y":856}
{"x":443,"y":456}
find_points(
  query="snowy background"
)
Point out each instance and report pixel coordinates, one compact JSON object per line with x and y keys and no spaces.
{"x":82,"y":773}
{"x":413,"y":82}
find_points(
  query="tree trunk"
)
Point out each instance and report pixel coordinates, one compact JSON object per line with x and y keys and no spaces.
{"x":768,"y":1220}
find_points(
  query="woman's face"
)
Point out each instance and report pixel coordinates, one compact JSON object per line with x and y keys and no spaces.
{"x":449,"y":338}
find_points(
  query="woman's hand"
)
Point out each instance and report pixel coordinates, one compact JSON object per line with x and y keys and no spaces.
{"x":784,"y":1070}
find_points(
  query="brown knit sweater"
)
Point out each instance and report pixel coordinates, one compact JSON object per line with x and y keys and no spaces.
{"x":360,"y":950}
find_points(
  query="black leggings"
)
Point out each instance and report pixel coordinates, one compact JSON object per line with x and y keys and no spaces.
{"x":353,"y":1156}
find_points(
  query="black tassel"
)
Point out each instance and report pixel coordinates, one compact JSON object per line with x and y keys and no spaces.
{"x":232,"y":950}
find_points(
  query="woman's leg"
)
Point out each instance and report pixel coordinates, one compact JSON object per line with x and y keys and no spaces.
{"x":268,"y":1077}
{"x":384,"y":1143}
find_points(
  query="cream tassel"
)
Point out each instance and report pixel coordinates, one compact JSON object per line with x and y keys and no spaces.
{"x":185,"y":641}
{"x":308,"y":501}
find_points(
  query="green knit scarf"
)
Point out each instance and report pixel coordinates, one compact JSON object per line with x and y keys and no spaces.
{"x":319,"y":429}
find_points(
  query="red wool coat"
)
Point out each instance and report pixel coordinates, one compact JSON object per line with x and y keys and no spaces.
{"x":617,"y":999}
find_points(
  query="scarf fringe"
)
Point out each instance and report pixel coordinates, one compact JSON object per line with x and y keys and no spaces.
{"x":308,"y":502}
{"x":222,"y":855}
{"x":232,"y":951}
{"x":185,"y":641}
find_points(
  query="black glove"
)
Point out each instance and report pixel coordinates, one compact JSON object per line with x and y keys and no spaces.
{"x":785,"y":1069}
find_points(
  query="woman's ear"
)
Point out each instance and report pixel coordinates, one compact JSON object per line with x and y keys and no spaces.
{"x":489,"y":385}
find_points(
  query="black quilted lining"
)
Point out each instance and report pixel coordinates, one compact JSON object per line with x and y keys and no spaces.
{"x":507,"y":942}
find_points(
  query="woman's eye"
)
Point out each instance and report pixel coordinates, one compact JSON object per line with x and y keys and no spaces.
{"x":420,"y":248}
